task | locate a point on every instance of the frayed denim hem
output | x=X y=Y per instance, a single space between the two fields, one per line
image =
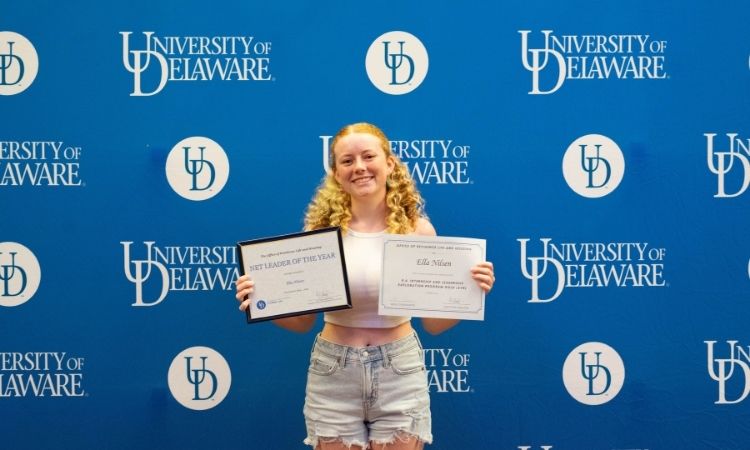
x=348 y=443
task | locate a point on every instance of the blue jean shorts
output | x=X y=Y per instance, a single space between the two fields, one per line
x=360 y=394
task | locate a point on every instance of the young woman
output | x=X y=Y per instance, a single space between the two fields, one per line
x=367 y=383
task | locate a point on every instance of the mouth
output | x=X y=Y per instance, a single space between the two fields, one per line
x=362 y=180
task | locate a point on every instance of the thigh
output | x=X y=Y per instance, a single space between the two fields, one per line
x=401 y=414
x=336 y=445
x=333 y=404
x=410 y=443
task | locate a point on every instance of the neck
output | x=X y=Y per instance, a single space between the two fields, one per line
x=368 y=216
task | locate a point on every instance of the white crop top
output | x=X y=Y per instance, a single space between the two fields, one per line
x=364 y=259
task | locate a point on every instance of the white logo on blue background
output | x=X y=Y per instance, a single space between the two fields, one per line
x=261 y=305
x=19 y=63
x=591 y=57
x=397 y=62
x=593 y=373
x=20 y=274
x=179 y=268
x=722 y=164
x=199 y=378
x=722 y=370
x=191 y=58
x=143 y=269
x=197 y=168
x=448 y=370
x=591 y=265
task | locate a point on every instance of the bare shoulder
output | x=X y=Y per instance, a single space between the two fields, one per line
x=424 y=228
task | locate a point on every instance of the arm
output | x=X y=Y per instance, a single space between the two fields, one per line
x=299 y=324
x=483 y=273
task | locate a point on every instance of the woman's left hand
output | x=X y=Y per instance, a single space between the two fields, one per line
x=484 y=274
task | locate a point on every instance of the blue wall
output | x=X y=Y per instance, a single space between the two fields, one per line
x=505 y=390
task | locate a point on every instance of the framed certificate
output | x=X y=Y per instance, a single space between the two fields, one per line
x=430 y=276
x=295 y=274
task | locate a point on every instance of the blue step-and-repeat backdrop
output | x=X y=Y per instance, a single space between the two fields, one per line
x=601 y=148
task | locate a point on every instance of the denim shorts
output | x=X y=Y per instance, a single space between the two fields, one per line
x=360 y=394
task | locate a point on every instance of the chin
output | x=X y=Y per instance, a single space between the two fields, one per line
x=368 y=192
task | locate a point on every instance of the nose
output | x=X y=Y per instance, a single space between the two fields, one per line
x=359 y=164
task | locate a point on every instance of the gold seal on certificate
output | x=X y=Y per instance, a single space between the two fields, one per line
x=295 y=274
x=430 y=276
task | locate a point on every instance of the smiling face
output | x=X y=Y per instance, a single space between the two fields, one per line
x=361 y=165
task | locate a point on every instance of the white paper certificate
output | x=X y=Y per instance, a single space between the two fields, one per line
x=295 y=274
x=428 y=276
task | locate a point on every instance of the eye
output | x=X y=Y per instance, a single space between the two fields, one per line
x=369 y=156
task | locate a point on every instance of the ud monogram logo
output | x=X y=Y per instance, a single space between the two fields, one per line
x=725 y=163
x=140 y=276
x=194 y=58
x=139 y=65
x=590 y=165
x=6 y=63
x=197 y=377
x=178 y=268
x=593 y=373
x=20 y=274
x=590 y=265
x=397 y=62
x=535 y=66
x=721 y=373
x=8 y=273
x=593 y=166
x=19 y=63
x=591 y=57
x=197 y=168
x=534 y=273
x=199 y=385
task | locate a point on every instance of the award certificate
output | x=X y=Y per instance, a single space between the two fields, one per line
x=295 y=274
x=429 y=276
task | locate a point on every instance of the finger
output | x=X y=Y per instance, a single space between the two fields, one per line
x=483 y=268
x=244 y=305
x=245 y=285
x=241 y=295
x=243 y=279
x=484 y=286
x=485 y=282
x=483 y=271
x=482 y=278
x=485 y=264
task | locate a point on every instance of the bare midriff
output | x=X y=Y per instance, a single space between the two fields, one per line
x=364 y=337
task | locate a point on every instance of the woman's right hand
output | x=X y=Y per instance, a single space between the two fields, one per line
x=245 y=287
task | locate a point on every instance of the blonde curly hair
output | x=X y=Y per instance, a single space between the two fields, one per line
x=331 y=206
